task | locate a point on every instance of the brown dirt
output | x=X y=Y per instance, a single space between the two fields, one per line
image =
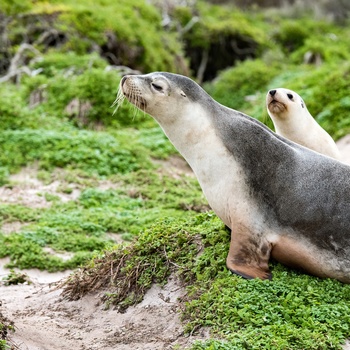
x=27 y=190
x=44 y=320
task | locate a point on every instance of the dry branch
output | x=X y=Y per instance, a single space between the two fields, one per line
x=17 y=67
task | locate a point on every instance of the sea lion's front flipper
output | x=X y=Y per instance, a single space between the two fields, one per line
x=248 y=255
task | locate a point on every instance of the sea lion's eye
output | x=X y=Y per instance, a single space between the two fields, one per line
x=290 y=96
x=156 y=87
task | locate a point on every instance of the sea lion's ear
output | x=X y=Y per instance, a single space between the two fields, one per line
x=182 y=94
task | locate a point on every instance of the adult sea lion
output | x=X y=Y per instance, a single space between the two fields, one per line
x=279 y=199
x=292 y=120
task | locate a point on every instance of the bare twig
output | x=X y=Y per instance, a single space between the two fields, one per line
x=17 y=67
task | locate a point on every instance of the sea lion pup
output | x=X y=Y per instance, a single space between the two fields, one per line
x=293 y=121
x=279 y=199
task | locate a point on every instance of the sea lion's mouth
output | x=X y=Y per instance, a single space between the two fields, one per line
x=137 y=100
x=276 y=106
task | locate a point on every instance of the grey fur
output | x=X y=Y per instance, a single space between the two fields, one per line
x=296 y=187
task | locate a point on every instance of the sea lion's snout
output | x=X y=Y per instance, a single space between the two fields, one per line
x=123 y=80
x=132 y=91
x=275 y=102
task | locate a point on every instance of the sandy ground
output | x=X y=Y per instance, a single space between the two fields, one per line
x=45 y=321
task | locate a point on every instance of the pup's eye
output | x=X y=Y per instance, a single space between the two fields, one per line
x=157 y=87
x=290 y=96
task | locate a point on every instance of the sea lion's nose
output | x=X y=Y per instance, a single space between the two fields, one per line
x=123 y=80
x=272 y=92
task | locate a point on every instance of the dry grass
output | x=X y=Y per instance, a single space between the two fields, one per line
x=118 y=272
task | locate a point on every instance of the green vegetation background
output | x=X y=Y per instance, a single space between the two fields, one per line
x=163 y=215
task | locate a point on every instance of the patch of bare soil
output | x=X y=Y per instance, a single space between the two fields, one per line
x=44 y=320
x=27 y=190
x=174 y=166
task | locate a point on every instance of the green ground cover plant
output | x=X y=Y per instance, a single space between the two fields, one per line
x=16 y=277
x=247 y=78
x=87 y=225
x=94 y=153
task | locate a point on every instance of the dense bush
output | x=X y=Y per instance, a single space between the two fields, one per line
x=221 y=36
x=83 y=96
x=125 y=33
x=53 y=63
x=232 y=86
x=330 y=102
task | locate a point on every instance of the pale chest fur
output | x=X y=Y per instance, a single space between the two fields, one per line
x=304 y=130
x=221 y=177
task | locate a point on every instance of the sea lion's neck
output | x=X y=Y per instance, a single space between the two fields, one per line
x=193 y=133
x=196 y=137
x=294 y=125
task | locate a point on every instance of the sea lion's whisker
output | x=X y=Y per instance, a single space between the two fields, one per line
x=118 y=100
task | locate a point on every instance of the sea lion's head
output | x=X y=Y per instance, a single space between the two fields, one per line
x=160 y=93
x=282 y=103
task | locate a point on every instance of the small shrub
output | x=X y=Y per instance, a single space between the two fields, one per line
x=329 y=48
x=15 y=277
x=223 y=33
x=96 y=88
x=291 y=34
x=13 y=7
x=133 y=36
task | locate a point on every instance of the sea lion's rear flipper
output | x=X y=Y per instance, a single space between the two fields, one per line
x=248 y=255
x=253 y=274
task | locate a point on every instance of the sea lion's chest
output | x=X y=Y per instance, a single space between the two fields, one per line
x=220 y=176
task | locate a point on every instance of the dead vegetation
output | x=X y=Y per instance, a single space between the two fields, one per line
x=128 y=272
x=108 y=271
x=6 y=326
x=117 y=271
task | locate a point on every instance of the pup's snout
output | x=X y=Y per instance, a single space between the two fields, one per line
x=272 y=92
